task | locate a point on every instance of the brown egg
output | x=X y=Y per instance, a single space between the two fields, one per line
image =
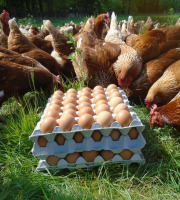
x=96 y=92
x=126 y=154
x=70 y=111
x=112 y=91
x=133 y=133
x=57 y=96
x=102 y=107
x=66 y=122
x=48 y=124
x=42 y=142
x=115 y=94
x=110 y=87
x=85 y=93
x=84 y=104
x=72 y=157
x=119 y=107
x=70 y=100
x=101 y=102
x=86 y=89
x=52 y=113
x=71 y=95
x=71 y=91
x=56 y=101
x=107 y=155
x=70 y=106
x=78 y=137
x=115 y=101
x=86 y=110
x=105 y=119
x=89 y=156
x=98 y=87
x=99 y=97
x=52 y=160
x=97 y=135
x=124 y=118
x=54 y=107
x=86 y=121
x=58 y=92
x=60 y=139
x=115 y=134
x=84 y=99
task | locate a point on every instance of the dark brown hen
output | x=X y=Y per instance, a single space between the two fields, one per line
x=17 y=79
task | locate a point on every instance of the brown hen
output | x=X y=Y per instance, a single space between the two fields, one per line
x=128 y=65
x=4 y=17
x=42 y=44
x=166 y=87
x=17 y=79
x=19 y=43
x=95 y=64
x=151 y=72
x=172 y=32
x=169 y=113
x=61 y=48
x=99 y=25
x=147 y=44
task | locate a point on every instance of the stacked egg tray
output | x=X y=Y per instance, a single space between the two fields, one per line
x=86 y=148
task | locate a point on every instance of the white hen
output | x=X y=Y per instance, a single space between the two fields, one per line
x=114 y=35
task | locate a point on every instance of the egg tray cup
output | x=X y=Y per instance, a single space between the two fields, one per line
x=81 y=162
x=88 y=144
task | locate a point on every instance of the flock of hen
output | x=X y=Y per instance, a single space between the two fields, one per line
x=145 y=66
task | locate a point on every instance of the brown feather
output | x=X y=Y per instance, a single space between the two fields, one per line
x=151 y=72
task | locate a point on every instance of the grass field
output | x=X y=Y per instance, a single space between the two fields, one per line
x=158 y=179
x=162 y=18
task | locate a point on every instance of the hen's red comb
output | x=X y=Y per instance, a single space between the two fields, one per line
x=120 y=81
x=5 y=12
x=148 y=103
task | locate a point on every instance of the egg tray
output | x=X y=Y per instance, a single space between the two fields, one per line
x=81 y=163
x=106 y=143
x=87 y=132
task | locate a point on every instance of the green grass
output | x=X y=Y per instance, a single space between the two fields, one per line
x=159 y=178
x=172 y=18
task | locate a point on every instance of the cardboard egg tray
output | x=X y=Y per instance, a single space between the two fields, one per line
x=106 y=143
x=88 y=144
x=81 y=162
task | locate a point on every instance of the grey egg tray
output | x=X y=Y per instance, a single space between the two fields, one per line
x=81 y=163
x=87 y=132
x=88 y=144
x=106 y=143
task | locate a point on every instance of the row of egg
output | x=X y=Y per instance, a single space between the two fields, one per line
x=90 y=156
x=86 y=120
x=96 y=136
